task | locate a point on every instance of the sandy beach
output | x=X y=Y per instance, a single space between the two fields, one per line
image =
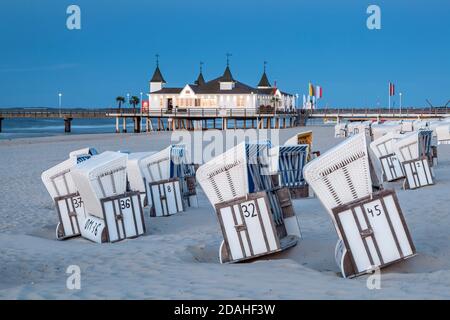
x=178 y=256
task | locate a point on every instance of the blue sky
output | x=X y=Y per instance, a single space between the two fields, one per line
x=323 y=41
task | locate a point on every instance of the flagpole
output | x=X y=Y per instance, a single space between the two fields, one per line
x=389 y=97
x=389 y=102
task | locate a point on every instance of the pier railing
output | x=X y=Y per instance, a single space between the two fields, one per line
x=381 y=111
x=200 y=112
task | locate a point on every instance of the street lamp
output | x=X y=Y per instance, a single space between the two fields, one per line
x=60 y=102
x=400 y=94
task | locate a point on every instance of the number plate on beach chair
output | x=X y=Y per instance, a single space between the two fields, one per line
x=418 y=174
x=374 y=232
x=166 y=197
x=248 y=227
x=189 y=192
x=123 y=216
x=71 y=214
x=392 y=168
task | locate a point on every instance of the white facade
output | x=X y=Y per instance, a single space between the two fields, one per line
x=223 y=92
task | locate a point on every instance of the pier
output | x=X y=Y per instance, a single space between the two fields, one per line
x=67 y=115
x=218 y=118
x=207 y=118
x=167 y=119
x=378 y=114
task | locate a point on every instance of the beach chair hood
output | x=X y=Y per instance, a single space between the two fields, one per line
x=100 y=177
x=228 y=176
x=342 y=174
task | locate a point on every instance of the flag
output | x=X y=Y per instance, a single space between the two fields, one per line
x=311 y=89
x=319 y=93
x=391 y=89
x=145 y=105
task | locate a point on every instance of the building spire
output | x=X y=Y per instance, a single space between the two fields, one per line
x=227 y=76
x=264 y=82
x=200 y=80
x=157 y=75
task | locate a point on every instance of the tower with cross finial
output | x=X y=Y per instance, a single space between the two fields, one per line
x=264 y=82
x=226 y=81
x=200 y=79
x=157 y=82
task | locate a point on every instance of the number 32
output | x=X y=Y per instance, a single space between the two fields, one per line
x=249 y=210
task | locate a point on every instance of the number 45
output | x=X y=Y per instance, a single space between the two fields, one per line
x=374 y=211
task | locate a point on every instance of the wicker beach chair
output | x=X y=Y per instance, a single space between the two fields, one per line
x=359 y=127
x=414 y=151
x=383 y=149
x=84 y=151
x=256 y=217
x=443 y=133
x=112 y=213
x=135 y=177
x=380 y=129
x=170 y=181
x=340 y=130
x=407 y=125
x=371 y=228
x=287 y=164
x=64 y=193
x=303 y=138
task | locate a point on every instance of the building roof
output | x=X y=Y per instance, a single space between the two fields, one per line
x=200 y=80
x=157 y=76
x=264 y=82
x=213 y=86
x=169 y=91
x=227 y=76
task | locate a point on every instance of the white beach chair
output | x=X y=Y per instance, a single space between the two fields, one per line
x=443 y=133
x=407 y=125
x=383 y=148
x=357 y=127
x=287 y=164
x=340 y=130
x=135 y=176
x=170 y=181
x=84 y=151
x=255 y=217
x=413 y=152
x=420 y=124
x=64 y=193
x=102 y=184
x=380 y=129
x=304 y=138
x=371 y=228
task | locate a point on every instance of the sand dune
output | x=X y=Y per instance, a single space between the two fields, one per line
x=178 y=257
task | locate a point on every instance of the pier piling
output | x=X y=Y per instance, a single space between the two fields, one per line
x=67 y=125
x=137 y=124
x=124 y=128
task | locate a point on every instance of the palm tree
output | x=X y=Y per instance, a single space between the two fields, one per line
x=134 y=101
x=120 y=100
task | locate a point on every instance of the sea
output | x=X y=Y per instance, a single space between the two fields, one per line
x=27 y=128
